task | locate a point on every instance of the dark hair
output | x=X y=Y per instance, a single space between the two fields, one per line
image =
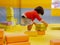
x=39 y=10
x=23 y=16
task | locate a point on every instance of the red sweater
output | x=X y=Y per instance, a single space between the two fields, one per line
x=32 y=15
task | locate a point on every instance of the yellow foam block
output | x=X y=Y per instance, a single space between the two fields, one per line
x=10 y=19
x=16 y=38
x=55 y=12
x=1 y=33
x=31 y=33
x=41 y=27
x=55 y=28
x=9 y=11
x=21 y=43
x=55 y=42
x=2 y=25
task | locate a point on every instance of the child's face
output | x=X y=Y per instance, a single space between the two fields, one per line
x=39 y=14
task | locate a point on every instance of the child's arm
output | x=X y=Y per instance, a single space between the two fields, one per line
x=40 y=19
x=44 y=22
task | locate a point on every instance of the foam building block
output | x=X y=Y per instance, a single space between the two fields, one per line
x=2 y=26
x=21 y=43
x=1 y=36
x=10 y=15
x=1 y=41
x=41 y=27
x=55 y=28
x=55 y=42
x=9 y=11
x=31 y=33
x=55 y=12
x=1 y=33
x=16 y=38
x=41 y=32
x=10 y=18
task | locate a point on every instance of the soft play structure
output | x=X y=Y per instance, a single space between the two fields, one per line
x=13 y=33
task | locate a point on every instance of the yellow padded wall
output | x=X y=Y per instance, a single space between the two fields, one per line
x=34 y=3
x=8 y=3
x=55 y=12
x=25 y=3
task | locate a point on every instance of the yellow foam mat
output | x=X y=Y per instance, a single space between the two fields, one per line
x=31 y=33
x=40 y=39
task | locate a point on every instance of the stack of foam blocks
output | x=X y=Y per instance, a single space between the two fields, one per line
x=1 y=37
x=10 y=15
x=41 y=28
x=17 y=39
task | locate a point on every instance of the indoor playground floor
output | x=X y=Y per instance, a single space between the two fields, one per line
x=43 y=39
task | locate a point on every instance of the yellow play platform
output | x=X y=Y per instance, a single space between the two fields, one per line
x=39 y=39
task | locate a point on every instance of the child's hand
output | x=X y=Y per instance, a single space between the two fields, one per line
x=46 y=24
